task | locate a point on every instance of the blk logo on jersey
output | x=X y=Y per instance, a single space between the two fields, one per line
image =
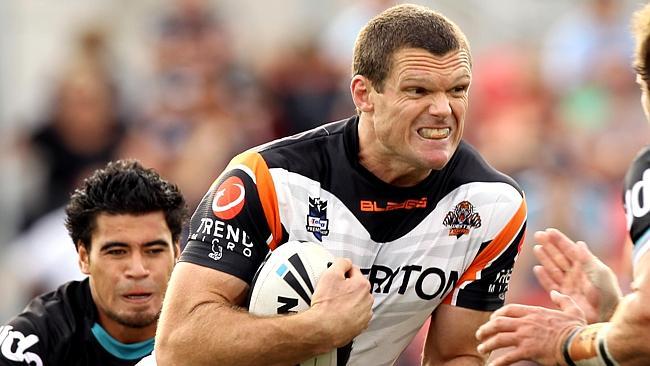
x=317 y=222
x=461 y=219
x=14 y=345
x=637 y=203
x=228 y=200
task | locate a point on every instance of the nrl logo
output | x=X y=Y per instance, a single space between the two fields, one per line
x=317 y=222
x=461 y=219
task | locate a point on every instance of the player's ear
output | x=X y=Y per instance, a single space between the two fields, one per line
x=84 y=259
x=360 y=87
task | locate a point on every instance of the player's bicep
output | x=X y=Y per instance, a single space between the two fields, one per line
x=451 y=336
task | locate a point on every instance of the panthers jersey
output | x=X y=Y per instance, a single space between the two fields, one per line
x=452 y=238
x=637 y=203
x=60 y=328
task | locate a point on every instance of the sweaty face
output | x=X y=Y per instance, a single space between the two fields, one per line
x=130 y=260
x=418 y=118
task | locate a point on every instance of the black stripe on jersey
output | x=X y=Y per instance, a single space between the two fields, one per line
x=300 y=267
x=473 y=296
x=329 y=155
x=295 y=285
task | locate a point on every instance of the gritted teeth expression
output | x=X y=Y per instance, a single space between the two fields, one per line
x=434 y=133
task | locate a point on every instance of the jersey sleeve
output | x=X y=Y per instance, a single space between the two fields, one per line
x=637 y=203
x=237 y=221
x=485 y=282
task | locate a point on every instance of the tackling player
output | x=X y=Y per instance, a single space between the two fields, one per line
x=562 y=337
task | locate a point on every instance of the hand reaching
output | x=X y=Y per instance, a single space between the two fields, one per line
x=530 y=333
x=572 y=269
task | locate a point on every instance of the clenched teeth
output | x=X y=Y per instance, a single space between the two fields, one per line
x=434 y=133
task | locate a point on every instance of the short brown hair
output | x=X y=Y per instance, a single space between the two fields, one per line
x=398 y=27
x=641 y=32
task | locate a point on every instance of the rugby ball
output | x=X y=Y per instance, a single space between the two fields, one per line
x=286 y=281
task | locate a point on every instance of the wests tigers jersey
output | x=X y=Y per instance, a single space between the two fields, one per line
x=637 y=203
x=452 y=238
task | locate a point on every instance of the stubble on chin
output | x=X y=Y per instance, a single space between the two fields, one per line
x=134 y=319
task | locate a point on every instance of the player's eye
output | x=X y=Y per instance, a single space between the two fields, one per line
x=416 y=91
x=460 y=89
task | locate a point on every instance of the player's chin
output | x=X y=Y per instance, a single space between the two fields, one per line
x=139 y=318
x=436 y=160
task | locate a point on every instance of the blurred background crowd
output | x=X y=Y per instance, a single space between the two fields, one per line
x=183 y=85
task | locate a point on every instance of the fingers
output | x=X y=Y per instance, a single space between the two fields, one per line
x=556 y=247
x=583 y=253
x=499 y=340
x=545 y=279
x=496 y=325
x=554 y=272
x=341 y=266
x=566 y=304
x=514 y=311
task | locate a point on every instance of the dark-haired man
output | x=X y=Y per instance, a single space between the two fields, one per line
x=125 y=222
x=394 y=191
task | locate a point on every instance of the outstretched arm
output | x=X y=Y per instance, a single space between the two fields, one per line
x=533 y=333
x=201 y=323
x=570 y=268
x=531 y=330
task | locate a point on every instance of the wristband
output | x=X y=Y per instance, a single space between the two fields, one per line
x=587 y=346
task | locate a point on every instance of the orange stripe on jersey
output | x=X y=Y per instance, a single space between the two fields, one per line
x=265 y=190
x=498 y=244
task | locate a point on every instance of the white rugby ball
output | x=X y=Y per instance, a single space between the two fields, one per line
x=285 y=284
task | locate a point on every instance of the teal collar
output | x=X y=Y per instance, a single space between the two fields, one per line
x=131 y=351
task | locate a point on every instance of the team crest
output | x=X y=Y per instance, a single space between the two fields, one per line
x=317 y=222
x=461 y=219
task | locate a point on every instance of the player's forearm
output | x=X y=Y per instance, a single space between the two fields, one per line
x=621 y=340
x=218 y=334
x=627 y=338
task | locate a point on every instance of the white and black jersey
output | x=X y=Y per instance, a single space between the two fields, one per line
x=60 y=328
x=452 y=238
x=636 y=200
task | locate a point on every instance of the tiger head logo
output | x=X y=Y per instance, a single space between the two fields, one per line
x=461 y=219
